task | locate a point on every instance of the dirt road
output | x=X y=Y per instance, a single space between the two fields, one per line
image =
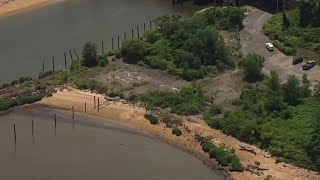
x=252 y=39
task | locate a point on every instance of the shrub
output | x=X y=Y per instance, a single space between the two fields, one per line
x=7 y=104
x=29 y=99
x=89 y=55
x=24 y=79
x=206 y=146
x=153 y=120
x=215 y=109
x=176 y=131
x=45 y=74
x=103 y=63
x=118 y=54
x=253 y=64
x=40 y=86
x=236 y=164
x=14 y=82
x=112 y=52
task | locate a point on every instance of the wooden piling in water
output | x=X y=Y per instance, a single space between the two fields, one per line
x=144 y=27
x=65 y=60
x=42 y=65
x=32 y=131
x=138 y=32
x=72 y=112
x=15 y=137
x=55 y=124
x=102 y=48
x=76 y=54
x=112 y=44
x=71 y=57
x=150 y=24
x=53 y=63
x=132 y=34
x=118 y=42
x=98 y=105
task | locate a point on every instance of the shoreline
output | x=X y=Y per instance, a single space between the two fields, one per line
x=133 y=117
x=20 y=6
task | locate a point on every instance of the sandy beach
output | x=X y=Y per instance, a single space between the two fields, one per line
x=10 y=7
x=133 y=117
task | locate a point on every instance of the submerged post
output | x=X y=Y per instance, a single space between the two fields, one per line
x=55 y=124
x=15 y=137
x=32 y=131
x=112 y=44
x=98 y=105
x=132 y=35
x=71 y=55
x=42 y=65
x=65 y=60
x=76 y=54
x=138 y=32
x=102 y=48
x=53 y=63
x=72 y=112
x=118 y=42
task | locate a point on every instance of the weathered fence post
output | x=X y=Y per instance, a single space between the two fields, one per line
x=15 y=137
x=53 y=63
x=76 y=54
x=85 y=107
x=112 y=44
x=94 y=102
x=65 y=60
x=102 y=48
x=138 y=32
x=32 y=131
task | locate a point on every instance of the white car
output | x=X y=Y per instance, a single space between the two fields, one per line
x=270 y=46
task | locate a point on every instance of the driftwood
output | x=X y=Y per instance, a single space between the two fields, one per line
x=248 y=149
x=256 y=169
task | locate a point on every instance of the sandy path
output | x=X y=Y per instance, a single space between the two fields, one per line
x=133 y=117
x=17 y=6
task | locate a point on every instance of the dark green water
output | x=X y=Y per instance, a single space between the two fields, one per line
x=28 y=38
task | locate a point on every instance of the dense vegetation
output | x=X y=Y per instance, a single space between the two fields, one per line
x=294 y=32
x=188 y=101
x=7 y=104
x=152 y=119
x=221 y=153
x=282 y=118
x=189 y=48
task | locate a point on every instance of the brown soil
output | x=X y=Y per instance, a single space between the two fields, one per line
x=133 y=117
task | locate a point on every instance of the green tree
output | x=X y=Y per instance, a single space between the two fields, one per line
x=89 y=55
x=135 y=50
x=274 y=83
x=313 y=148
x=305 y=88
x=285 y=21
x=253 y=64
x=292 y=93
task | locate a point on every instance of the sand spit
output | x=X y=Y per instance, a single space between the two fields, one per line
x=133 y=117
x=10 y=7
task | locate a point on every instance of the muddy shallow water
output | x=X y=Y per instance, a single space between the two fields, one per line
x=88 y=151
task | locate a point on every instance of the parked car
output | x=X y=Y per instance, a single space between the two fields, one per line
x=297 y=60
x=308 y=65
x=269 y=46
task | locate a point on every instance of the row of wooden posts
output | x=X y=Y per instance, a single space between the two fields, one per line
x=96 y=101
x=102 y=46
